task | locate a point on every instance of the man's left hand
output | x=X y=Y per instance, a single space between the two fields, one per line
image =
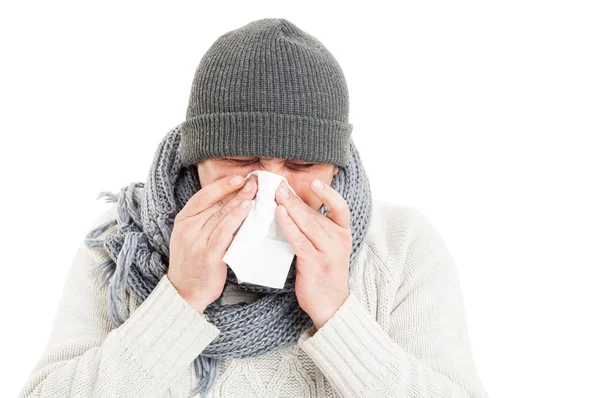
x=322 y=244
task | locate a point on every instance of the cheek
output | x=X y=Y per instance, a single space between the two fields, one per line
x=301 y=184
x=208 y=175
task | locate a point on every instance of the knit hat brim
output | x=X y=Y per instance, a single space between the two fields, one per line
x=265 y=134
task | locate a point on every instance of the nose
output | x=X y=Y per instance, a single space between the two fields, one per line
x=273 y=165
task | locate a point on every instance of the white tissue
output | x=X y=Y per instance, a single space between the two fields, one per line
x=259 y=252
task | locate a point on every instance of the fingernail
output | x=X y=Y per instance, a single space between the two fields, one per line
x=245 y=203
x=284 y=191
x=247 y=187
x=237 y=180
x=317 y=184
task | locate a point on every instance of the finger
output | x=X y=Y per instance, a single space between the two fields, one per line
x=222 y=235
x=305 y=217
x=339 y=212
x=209 y=195
x=228 y=203
x=246 y=193
x=299 y=242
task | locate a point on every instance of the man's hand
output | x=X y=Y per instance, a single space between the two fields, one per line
x=202 y=232
x=322 y=244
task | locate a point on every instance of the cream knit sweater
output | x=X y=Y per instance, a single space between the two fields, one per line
x=402 y=332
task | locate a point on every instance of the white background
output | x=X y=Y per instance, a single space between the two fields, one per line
x=485 y=115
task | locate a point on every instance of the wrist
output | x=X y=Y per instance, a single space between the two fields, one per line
x=196 y=303
x=325 y=315
x=199 y=307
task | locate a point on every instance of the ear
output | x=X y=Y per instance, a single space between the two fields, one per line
x=335 y=170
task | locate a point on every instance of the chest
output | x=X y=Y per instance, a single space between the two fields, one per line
x=288 y=371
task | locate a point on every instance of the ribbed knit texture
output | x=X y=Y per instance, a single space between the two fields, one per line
x=268 y=89
x=139 y=257
x=402 y=332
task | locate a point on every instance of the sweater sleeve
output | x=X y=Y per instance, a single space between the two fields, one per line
x=86 y=356
x=426 y=350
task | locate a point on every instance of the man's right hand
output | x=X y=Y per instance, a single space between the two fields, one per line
x=202 y=232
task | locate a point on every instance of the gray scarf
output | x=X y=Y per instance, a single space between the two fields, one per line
x=139 y=257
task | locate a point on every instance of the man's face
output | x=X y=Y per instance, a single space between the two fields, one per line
x=298 y=173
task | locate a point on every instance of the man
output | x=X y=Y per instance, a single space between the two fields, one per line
x=372 y=306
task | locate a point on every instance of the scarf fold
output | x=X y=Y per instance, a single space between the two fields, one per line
x=139 y=257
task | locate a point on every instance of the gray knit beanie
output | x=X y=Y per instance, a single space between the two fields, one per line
x=267 y=89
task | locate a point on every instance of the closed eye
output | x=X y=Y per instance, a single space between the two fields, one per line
x=247 y=162
x=301 y=165
x=242 y=162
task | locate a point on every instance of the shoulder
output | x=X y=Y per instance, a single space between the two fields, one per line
x=109 y=213
x=103 y=224
x=397 y=231
x=392 y=226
